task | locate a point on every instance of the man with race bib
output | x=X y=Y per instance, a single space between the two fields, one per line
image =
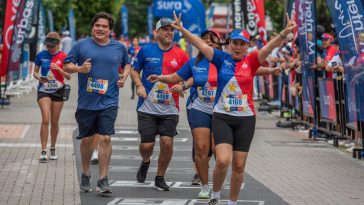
x=158 y=107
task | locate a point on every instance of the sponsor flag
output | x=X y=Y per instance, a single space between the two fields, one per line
x=22 y=28
x=11 y=13
x=238 y=13
x=260 y=20
x=124 y=20
x=50 y=20
x=327 y=99
x=348 y=19
x=306 y=10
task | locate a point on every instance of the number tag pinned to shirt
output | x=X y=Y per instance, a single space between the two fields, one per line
x=233 y=102
x=97 y=85
x=206 y=94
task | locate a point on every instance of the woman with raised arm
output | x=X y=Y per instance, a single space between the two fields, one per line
x=200 y=106
x=233 y=119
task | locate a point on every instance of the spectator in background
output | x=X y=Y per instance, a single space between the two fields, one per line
x=66 y=42
x=133 y=52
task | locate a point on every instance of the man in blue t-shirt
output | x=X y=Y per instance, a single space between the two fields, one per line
x=97 y=60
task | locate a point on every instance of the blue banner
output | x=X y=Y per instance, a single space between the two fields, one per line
x=124 y=20
x=150 y=22
x=41 y=25
x=306 y=10
x=72 y=24
x=193 y=13
x=50 y=20
x=348 y=19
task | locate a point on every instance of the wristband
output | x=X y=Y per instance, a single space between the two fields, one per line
x=270 y=70
x=184 y=86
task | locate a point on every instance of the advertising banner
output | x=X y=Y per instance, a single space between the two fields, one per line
x=124 y=20
x=348 y=19
x=238 y=13
x=11 y=14
x=306 y=21
x=327 y=99
x=22 y=28
x=193 y=13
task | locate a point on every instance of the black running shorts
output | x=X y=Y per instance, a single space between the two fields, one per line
x=150 y=125
x=233 y=130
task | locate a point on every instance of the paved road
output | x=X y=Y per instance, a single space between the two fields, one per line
x=124 y=164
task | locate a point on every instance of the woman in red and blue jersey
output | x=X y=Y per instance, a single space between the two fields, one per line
x=49 y=71
x=200 y=106
x=233 y=119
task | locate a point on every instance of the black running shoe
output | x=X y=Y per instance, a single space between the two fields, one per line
x=160 y=183
x=85 y=185
x=213 y=202
x=142 y=172
x=196 y=180
x=103 y=186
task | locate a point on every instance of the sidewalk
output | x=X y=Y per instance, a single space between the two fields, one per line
x=298 y=170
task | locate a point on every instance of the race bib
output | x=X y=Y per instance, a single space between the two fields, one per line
x=233 y=102
x=51 y=85
x=162 y=96
x=206 y=95
x=97 y=86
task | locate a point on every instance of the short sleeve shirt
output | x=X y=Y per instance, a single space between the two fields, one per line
x=330 y=53
x=55 y=79
x=202 y=96
x=234 y=95
x=98 y=89
x=153 y=60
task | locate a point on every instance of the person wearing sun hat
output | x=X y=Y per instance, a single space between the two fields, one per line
x=233 y=118
x=200 y=104
x=49 y=71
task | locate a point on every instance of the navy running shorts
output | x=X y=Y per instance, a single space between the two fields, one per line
x=198 y=119
x=233 y=130
x=92 y=122
x=150 y=125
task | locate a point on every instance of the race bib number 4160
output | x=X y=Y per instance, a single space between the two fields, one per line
x=233 y=102
x=97 y=85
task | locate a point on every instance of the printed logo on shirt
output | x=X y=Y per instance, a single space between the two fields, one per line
x=244 y=66
x=152 y=60
x=199 y=69
x=228 y=64
x=174 y=62
x=58 y=62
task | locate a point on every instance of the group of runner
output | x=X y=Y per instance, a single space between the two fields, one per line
x=220 y=110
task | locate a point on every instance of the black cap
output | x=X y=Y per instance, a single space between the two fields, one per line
x=51 y=41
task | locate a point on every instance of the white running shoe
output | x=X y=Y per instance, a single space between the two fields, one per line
x=204 y=193
x=43 y=157
x=53 y=154
x=95 y=157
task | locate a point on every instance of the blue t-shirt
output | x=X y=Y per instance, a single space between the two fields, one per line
x=204 y=74
x=153 y=60
x=234 y=95
x=98 y=89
